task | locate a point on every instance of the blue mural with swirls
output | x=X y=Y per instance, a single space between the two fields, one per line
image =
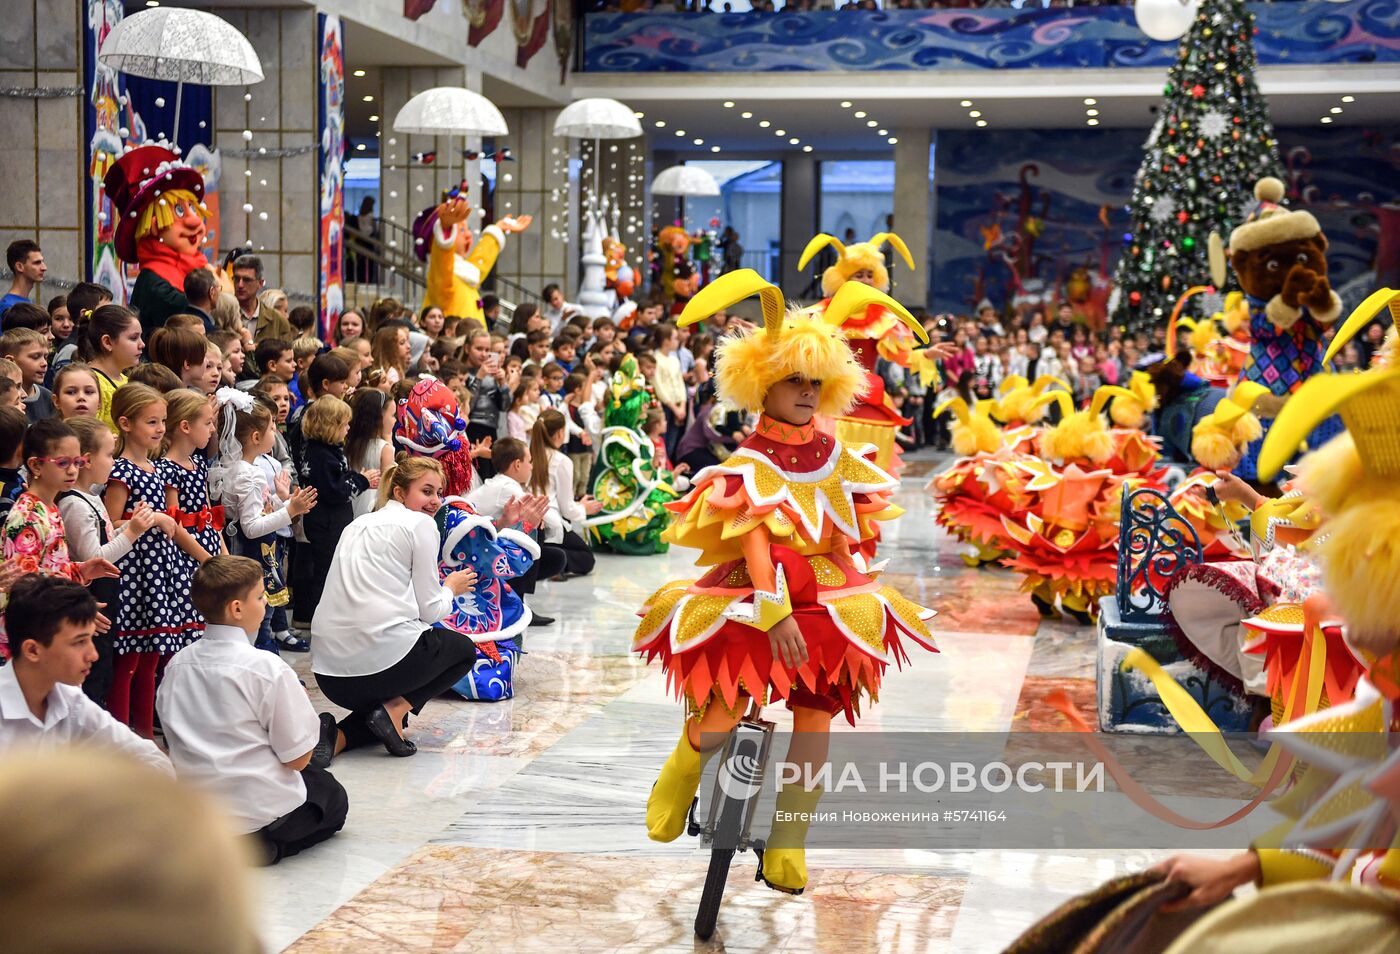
x=1301 y=32
x=1018 y=211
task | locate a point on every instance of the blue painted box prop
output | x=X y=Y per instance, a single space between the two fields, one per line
x=1154 y=544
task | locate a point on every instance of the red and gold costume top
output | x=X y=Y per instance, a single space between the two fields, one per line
x=801 y=483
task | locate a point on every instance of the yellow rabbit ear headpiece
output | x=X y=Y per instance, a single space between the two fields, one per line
x=1369 y=404
x=854 y=258
x=1011 y=382
x=812 y=346
x=896 y=243
x=958 y=406
x=1063 y=398
x=1361 y=317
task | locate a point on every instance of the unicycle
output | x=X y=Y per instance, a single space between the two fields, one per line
x=738 y=786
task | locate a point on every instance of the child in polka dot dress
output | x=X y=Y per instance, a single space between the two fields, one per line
x=189 y=427
x=151 y=622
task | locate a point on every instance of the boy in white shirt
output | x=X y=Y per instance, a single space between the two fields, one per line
x=511 y=460
x=241 y=726
x=51 y=622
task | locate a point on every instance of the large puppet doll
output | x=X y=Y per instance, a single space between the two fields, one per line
x=786 y=605
x=679 y=279
x=428 y=423
x=633 y=490
x=877 y=333
x=491 y=614
x=161 y=203
x=457 y=262
x=1280 y=260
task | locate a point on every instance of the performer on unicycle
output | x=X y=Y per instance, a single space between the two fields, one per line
x=788 y=605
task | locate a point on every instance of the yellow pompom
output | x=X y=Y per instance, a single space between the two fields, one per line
x=1333 y=475
x=975 y=435
x=1213 y=449
x=1127 y=413
x=1080 y=436
x=1360 y=564
x=1268 y=189
x=1247 y=430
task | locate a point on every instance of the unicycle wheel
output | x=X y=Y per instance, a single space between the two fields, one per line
x=715 y=878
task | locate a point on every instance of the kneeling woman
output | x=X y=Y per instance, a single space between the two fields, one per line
x=374 y=648
x=787 y=606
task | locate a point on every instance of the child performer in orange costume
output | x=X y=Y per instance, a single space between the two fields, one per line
x=787 y=606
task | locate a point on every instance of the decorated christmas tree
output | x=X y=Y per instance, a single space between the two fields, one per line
x=1211 y=141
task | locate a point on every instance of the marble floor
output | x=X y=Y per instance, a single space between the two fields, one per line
x=518 y=825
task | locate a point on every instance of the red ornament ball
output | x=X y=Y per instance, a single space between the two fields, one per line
x=1135 y=297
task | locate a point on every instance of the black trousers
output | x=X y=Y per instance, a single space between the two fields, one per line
x=311 y=822
x=552 y=561
x=435 y=663
x=475 y=432
x=578 y=558
x=323 y=532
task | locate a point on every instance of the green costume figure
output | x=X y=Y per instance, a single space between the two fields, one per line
x=633 y=490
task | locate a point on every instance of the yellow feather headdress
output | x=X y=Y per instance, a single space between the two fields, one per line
x=852 y=258
x=812 y=346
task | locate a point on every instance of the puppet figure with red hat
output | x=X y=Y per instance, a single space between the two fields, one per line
x=161 y=203
x=457 y=263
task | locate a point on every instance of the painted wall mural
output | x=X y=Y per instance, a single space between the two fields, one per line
x=1053 y=217
x=332 y=158
x=1301 y=32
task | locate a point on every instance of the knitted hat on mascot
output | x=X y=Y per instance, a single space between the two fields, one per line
x=812 y=346
x=862 y=256
x=1271 y=223
x=429 y=424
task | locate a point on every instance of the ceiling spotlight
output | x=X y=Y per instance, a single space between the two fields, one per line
x=1092 y=122
x=1090 y=101
x=369 y=99
x=680 y=133
x=871 y=123
x=729 y=104
x=1335 y=110
x=965 y=103
x=893 y=140
x=981 y=122
x=975 y=114
x=661 y=124
x=698 y=142
x=846 y=104
x=1091 y=112
x=780 y=132
x=794 y=141
x=359 y=147
x=152 y=3
x=764 y=124
x=714 y=149
x=1326 y=119
x=374 y=119
x=882 y=132
x=359 y=73
x=806 y=148
x=860 y=114
x=1348 y=99
x=747 y=115
x=639 y=114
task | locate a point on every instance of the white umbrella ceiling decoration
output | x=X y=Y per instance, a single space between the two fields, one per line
x=690 y=181
x=181 y=46
x=597 y=119
x=450 y=111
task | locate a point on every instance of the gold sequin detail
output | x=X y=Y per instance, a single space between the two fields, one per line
x=1348 y=800
x=662 y=602
x=863 y=615
x=907 y=610
x=1287 y=613
x=1064 y=539
x=739 y=576
x=698 y=615
x=766 y=480
x=826 y=572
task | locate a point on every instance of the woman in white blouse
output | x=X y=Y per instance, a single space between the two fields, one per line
x=374 y=648
x=552 y=474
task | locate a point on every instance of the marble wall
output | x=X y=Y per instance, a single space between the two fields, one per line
x=281 y=114
x=537 y=183
x=42 y=194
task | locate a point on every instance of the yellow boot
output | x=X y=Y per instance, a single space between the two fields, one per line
x=785 y=856
x=669 y=802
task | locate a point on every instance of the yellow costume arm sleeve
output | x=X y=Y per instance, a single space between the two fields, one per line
x=772 y=604
x=487 y=249
x=1279 y=866
x=441 y=256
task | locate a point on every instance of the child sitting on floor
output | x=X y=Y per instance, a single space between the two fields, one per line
x=240 y=725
